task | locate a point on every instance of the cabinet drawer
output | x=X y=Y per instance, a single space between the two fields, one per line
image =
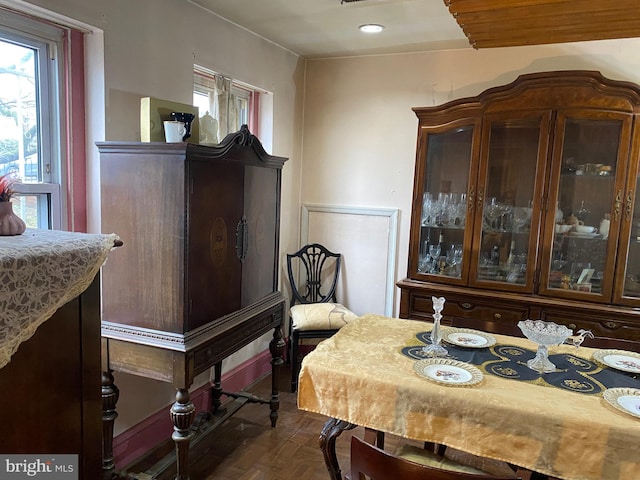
x=471 y=313
x=600 y=327
x=485 y=312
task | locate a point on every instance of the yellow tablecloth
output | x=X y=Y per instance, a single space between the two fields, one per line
x=360 y=376
x=40 y=271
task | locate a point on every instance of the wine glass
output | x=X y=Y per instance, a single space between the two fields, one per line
x=423 y=257
x=427 y=202
x=434 y=252
x=493 y=212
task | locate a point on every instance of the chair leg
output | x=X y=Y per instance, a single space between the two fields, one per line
x=290 y=345
x=293 y=338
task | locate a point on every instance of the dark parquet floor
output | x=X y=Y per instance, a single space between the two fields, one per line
x=245 y=447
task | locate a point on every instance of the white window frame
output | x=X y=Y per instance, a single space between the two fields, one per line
x=239 y=89
x=48 y=41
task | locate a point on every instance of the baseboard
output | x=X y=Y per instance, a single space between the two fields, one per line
x=136 y=441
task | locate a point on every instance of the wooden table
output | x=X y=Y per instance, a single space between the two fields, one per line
x=361 y=377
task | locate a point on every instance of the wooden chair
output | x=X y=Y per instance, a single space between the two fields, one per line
x=377 y=464
x=315 y=313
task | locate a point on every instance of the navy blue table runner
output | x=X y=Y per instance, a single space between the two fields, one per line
x=510 y=362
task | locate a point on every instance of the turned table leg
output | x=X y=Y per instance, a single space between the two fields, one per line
x=332 y=430
x=216 y=390
x=110 y=395
x=182 y=414
x=276 y=347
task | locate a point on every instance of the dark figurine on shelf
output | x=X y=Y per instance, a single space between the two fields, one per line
x=186 y=118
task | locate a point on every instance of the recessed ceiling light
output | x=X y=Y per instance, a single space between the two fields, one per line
x=371 y=28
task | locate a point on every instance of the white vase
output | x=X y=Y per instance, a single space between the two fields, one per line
x=10 y=223
x=559 y=214
x=605 y=223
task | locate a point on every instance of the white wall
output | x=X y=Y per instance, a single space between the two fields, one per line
x=150 y=47
x=360 y=133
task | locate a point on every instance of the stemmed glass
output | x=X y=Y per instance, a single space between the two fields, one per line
x=435 y=349
x=434 y=252
x=423 y=259
x=454 y=258
x=493 y=212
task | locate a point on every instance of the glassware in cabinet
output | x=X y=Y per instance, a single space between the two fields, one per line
x=443 y=179
x=627 y=282
x=589 y=167
x=515 y=150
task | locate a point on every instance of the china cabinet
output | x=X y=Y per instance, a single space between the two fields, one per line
x=197 y=279
x=525 y=206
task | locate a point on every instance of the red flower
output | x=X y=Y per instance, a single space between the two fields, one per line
x=6 y=190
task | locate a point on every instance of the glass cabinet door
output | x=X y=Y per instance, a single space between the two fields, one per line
x=444 y=229
x=627 y=282
x=508 y=219
x=588 y=172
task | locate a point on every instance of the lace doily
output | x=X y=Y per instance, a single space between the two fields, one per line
x=40 y=271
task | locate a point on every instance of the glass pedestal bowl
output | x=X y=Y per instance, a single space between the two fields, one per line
x=544 y=334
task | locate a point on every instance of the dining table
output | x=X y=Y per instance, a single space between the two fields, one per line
x=373 y=373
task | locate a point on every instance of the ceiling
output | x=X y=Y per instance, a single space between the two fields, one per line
x=329 y=28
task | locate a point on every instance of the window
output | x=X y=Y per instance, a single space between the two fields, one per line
x=224 y=105
x=30 y=126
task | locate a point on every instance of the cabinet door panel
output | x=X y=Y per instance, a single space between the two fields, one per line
x=215 y=211
x=261 y=210
x=508 y=214
x=627 y=282
x=587 y=186
x=444 y=196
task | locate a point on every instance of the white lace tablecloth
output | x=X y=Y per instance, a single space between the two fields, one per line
x=40 y=271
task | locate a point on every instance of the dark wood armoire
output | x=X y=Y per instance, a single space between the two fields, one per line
x=197 y=277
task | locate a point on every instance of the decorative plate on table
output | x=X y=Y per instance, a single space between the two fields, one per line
x=626 y=400
x=468 y=338
x=446 y=371
x=619 y=359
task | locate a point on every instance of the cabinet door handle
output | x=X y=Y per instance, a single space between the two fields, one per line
x=627 y=211
x=497 y=316
x=617 y=206
x=242 y=239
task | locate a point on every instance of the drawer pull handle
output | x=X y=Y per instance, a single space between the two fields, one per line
x=497 y=316
x=611 y=325
x=466 y=305
x=572 y=326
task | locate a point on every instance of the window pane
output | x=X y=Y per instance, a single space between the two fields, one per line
x=30 y=118
x=224 y=105
x=19 y=129
x=33 y=209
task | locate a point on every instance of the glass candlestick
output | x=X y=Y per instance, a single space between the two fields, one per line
x=435 y=349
